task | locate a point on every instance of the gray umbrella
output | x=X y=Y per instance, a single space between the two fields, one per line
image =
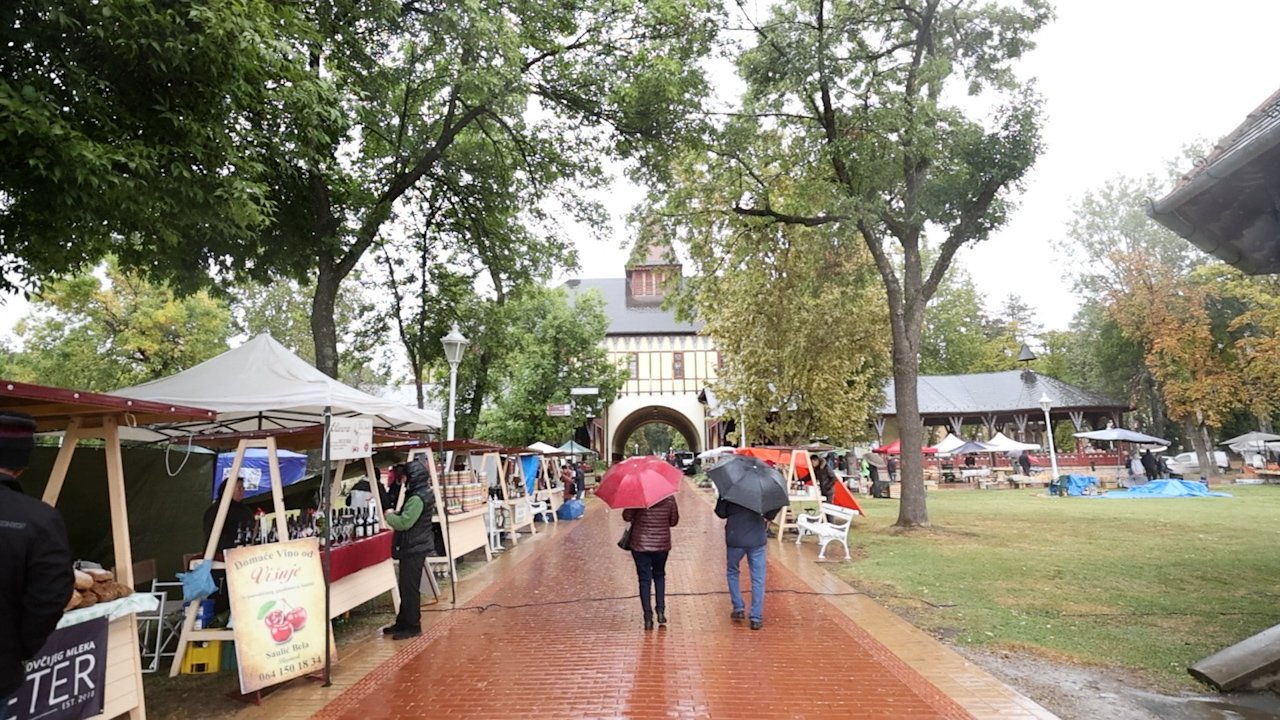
x=751 y=483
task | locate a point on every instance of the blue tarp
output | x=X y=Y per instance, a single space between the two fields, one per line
x=1166 y=489
x=1077 y=483
x=571 y=510
x=293 y=466
x=529 y=466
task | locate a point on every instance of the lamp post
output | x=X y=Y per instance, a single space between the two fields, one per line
x=454 y=345
x=1045 y=404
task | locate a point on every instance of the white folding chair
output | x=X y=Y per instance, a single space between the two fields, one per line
x=161 y=627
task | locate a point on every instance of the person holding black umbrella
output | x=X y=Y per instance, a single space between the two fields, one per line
x=751 y=494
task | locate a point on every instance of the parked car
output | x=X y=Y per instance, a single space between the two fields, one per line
x=1188 y=465
x=687 y=462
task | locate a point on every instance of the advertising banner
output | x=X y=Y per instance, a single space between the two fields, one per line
x=350 y=438
x=64 y=680
x=277 y=603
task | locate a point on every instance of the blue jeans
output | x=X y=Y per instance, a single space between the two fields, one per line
x=651 y=570
x=755 y=560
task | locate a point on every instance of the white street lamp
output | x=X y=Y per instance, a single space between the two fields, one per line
x=1045 y=404
x=454 y=345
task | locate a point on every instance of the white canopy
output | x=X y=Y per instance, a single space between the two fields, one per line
x=1001 y=443
x=1123 y=435
x=948 y=444
x=261 y=385
x=543 y=448
x=1252 y=441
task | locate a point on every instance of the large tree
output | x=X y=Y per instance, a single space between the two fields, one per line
x=557 y=344
x=559 y=83
x=137 y=129
x=856 y=117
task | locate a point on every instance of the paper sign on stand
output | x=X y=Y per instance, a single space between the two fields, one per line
x=350 y=438
x=277 y=599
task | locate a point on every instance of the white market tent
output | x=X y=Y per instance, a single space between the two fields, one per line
x=948 y=444
x=1123 y=435
x=574 y=448
x=541 y=447
x=262 y=386
x=1002 y=443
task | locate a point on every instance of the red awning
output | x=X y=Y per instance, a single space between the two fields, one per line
x=895 y=448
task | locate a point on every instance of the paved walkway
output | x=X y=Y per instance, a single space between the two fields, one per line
x=552 y=629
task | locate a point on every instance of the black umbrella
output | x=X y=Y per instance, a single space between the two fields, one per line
x=751 y=483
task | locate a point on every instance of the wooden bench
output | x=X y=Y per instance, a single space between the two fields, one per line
x=831 y=523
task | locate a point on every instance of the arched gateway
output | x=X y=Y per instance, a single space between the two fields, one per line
x=669 y=363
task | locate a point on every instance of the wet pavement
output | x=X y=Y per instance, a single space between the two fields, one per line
x=557 y=633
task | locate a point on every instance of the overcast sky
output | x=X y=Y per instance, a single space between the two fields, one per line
x=1127 y=83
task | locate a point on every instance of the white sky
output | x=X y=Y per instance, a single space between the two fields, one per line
x=1127 y=83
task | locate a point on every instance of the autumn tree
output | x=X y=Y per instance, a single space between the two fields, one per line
x=92 y=333
x=870 y=119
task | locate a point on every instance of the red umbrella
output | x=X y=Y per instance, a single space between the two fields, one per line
x=638 y=482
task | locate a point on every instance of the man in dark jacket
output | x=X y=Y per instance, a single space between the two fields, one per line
x=745 y=535
x=825 y=478
x=413 y=542
x=35 y=561
x=1150 y=465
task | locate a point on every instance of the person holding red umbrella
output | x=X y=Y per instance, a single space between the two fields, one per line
x=644 y=488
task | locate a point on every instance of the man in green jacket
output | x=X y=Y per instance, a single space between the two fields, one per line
x=414 y=540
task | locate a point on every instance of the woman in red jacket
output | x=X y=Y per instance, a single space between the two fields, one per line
x=650 y=545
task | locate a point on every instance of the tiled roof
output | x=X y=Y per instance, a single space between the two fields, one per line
x=1256 y=125
x=1011 y=391
x=632 y=319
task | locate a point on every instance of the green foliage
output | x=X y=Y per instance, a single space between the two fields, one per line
x=654 y=439
x=555 y=345
x=88 y=334
x=138 y=128
x=953 y=338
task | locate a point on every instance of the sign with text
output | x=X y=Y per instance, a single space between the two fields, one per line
x=277 y=601
x=65 y=679
x=561 y=410
x=350 y=438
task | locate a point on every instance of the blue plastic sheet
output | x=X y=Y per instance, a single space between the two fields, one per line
x=293 y=467
x=1166 y=489
x=571 y=510
x=529 y=465
x=1076 y=484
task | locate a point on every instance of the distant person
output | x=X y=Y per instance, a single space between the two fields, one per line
x=1024 y=462
x=1137 y=473
x=745 y=536
x=650 y=547
x=970 y=460
x=239 y=524
x=825 y=478
x=1149 y=465
x=36 y=580
x=891 y=466
x=413 y=541
x=580 y=479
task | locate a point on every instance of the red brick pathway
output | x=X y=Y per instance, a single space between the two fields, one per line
x=561 y=637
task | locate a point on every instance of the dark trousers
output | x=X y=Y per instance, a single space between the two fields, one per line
x=651 y=570
x=410 y=615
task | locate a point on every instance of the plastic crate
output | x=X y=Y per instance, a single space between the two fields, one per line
x=202 y=658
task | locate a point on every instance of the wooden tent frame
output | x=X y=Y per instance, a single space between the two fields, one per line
x=513 y=504
x=463 y=532
x=97 y=416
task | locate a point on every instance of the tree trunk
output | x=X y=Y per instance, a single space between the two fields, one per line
x=913 y=509
x=1208 y=468
x=324 y=332
x=471 y=420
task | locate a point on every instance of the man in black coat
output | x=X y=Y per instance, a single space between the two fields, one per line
x=36 y=579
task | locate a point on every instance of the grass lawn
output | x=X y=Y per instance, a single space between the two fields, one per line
x=1153 y=585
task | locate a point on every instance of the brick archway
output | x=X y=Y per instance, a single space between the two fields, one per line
x=677 y=420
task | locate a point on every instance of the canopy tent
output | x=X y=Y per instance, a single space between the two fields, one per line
x=1122 y=435
x=1000 y=443
x=948 y=444
x=293 y=467
x=541 y=447
x=972 y=446
x=895 y=448
x=780 y=457
x=261 y=385
x=1252 y=441
x=573 y=448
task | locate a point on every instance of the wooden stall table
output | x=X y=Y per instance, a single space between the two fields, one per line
x=463 y=529
x=360 y=571
x=515 y=494
x=97 y=416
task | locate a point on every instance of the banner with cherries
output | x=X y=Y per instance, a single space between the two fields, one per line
x=277 y=605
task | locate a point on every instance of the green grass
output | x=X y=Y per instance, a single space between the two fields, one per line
x=1153 y=585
